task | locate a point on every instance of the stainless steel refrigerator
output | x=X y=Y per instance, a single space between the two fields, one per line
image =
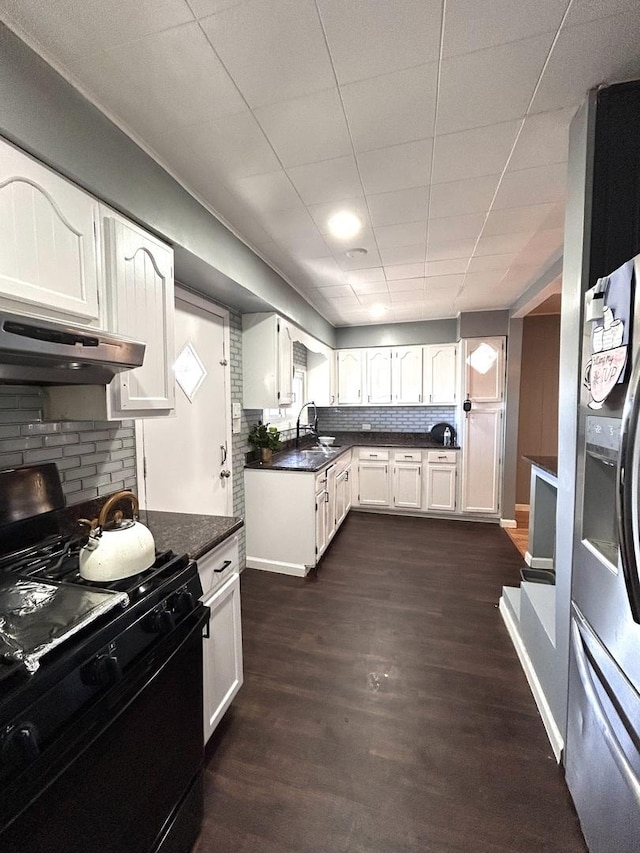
x=602 y=757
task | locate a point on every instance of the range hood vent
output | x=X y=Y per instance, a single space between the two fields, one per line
x=41 y=352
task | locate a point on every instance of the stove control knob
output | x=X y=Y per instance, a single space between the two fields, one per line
x=102 y=671
x=183 y=602
x=20 y=744
x=164 y=621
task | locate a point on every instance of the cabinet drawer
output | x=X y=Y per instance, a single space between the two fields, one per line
x=223 y=559
x=408 y=456
x=377 y=455
x=343 y=463
x=449 y=457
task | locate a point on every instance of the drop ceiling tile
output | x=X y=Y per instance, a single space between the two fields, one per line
x=407 y=285
x=472 y=25
x=68 y=29
x=358 y=262
x=456 y=227
x=400 y=271
x=491 y=262
x=369 y=299
x=326 y=181
x=307 y=129
x=396 y=168
x=322 y=213
x=229 y=148
x=287 y=226
x=459 y=197
x=325 y=271
x=344 y=303
x=473 y=153
x=544 y=140
x=203 y=8
x=443 y=250
x=521 y=275
x=403 y=255
x=338 y=292
x=543 y=245
x=555 y=219
x=450 y=267
x=367 y=38
x=582 y=11
x=399 y=206
x=539 y=185
x=490 y=86
x=273 y=49
x=584 y=56
x=364 y=240
x=406 y=234
x=502 y=244
x=445 y=283
x=486 y=280
x=365 y=276
x=370 y=288
x=392 y=108
x=167 y=80
x=413 y=299
x=265 y=193
x=516 y=219
x=305 y=249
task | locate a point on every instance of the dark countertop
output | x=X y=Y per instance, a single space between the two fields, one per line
x=294 y=460
x=181 y=532
x=545 y=463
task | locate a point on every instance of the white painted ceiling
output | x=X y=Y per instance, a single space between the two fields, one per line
x=441 y=123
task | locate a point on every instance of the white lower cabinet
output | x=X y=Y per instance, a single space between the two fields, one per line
x=407 y=480
x=322 y=501
x=481 y=461
x=373 y=483
x=222 y=648
x=222 y=653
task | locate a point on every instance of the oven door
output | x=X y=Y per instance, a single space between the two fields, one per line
x=132 y=784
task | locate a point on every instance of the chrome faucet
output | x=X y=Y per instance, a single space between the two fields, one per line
x=313 y=428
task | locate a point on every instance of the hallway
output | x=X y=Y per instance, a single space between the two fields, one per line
x=384 y=708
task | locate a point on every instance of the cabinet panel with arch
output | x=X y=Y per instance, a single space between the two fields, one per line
x=48 y=242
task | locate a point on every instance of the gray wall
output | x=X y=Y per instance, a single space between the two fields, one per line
x=397 y=334
x=94 y=458
x=45 y=115
x=478 y=324
x=511 y=420
x=385 y=418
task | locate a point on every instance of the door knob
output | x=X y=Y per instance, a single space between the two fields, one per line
x=225 y=474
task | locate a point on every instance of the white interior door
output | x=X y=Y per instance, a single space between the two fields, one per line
x=186 y=457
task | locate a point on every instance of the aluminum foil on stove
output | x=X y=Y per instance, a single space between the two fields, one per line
x=37 y=616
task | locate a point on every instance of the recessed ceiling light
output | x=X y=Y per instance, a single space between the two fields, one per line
x=356 y=253
x=344 y=225
x=378 y=311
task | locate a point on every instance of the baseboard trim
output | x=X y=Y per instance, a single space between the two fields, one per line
x=508 y=522
x=538 y=562
x=293 y=569
x=550 y=725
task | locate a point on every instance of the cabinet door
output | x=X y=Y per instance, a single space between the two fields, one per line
x=331 y=503
x=48 y=245
x=407 y=375
x=140 y=288
x=285 y=364
x=222 y=653
x=321 y=522
x=484 y=369
x=373 y=483
x=441 y=487
x=379 y=375
x=349 y=369
x=440 y=373
x=482 y=452
x=407 y=485
x=348 y=496
x=341 y=498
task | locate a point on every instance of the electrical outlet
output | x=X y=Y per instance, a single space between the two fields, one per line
x=366 y=426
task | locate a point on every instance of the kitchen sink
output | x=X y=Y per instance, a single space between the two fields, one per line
x=318 y=451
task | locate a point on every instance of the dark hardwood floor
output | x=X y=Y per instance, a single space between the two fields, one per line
x=384 y=708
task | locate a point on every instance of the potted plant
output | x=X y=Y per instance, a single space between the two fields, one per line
x=265 y=438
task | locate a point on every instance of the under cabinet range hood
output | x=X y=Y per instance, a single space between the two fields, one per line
x=41 y=352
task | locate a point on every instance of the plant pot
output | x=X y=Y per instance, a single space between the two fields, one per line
x=266 y=454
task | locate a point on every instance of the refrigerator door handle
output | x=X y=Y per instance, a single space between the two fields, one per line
x=602 y=720
x=627 y=492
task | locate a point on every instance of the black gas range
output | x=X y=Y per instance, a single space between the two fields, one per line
x=100 y=695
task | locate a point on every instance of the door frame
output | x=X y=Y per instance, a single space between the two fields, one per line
x=207 y=305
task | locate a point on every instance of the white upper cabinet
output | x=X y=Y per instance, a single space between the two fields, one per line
x=379 y=363
x=484 y=367
x=349 y=374
x=140 y=302
x=267 y=361
x=440 y=373
x=49 y=247
x=321 y=378
x=407 y=375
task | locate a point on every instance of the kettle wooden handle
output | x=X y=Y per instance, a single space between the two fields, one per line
x=112 y=501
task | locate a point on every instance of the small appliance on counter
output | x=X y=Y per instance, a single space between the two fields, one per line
x=443 y=433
